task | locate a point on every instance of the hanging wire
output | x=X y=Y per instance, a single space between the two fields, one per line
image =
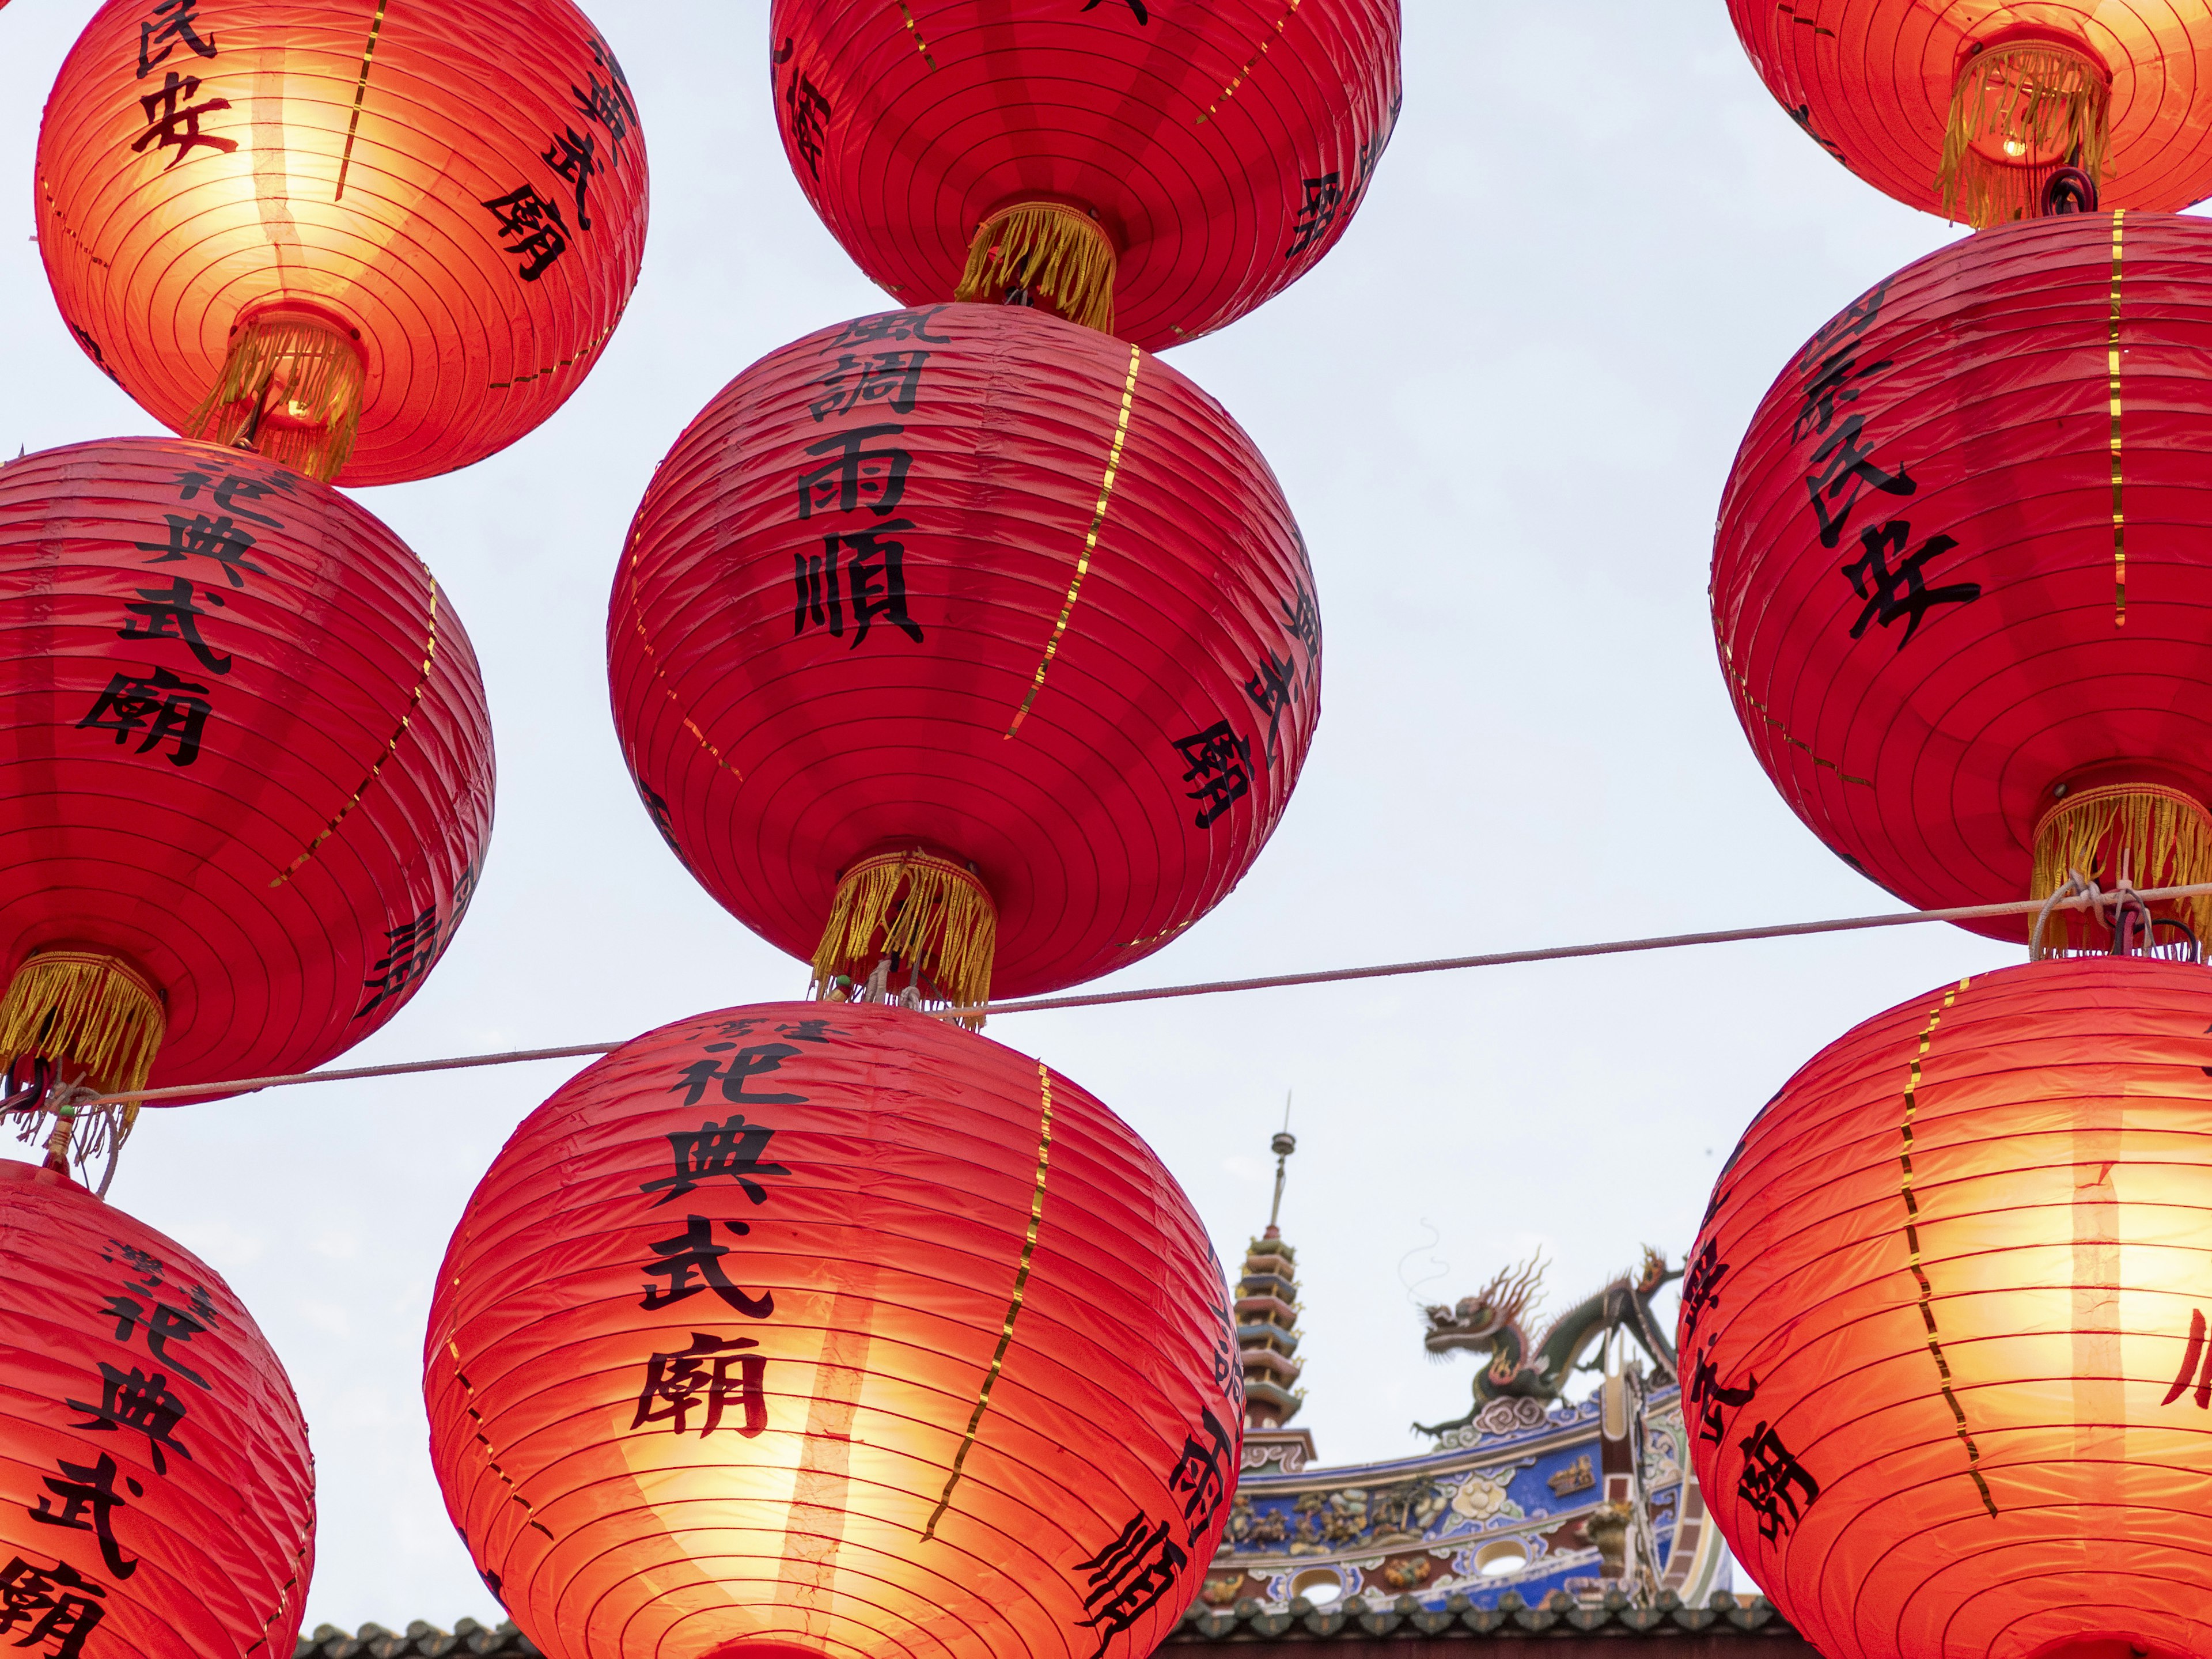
x=2090 y=899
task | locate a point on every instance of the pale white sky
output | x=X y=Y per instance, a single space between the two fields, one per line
x=1503 y=410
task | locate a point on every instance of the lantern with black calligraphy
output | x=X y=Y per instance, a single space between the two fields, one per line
x=792 y=1330
x=1990 y=110
x=158 y=1499
x=1943 y=1334
x=246 y=771
x=1964 y=561
x=373 y=246
x=1155 y=171
x=964 y=636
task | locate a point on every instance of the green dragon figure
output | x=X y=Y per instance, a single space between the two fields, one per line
x=1491 y=1320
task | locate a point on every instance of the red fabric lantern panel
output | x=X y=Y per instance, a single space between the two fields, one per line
x=1212 y=153
x=1944 y=1330
x=976 y=581
x=157 y=1497
x=1965 y=107
x=243 y=759
x=792 y=1330
x=425 y=219
x=1965 y=559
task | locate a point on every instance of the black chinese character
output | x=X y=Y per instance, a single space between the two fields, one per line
x=891 y=325
x=227 y=489
x=1218 y=763
x=694 y=1251
x=409 y=950
x=57 y=1602
x=89 y=1490
x=1701 y=1282
x=809 y=115
x=150 y=1267
x=169 y=613
x=857 y=469
x=166 y=1323
x=170 y=127
x=202 y=538
x=744 y=1066
x=1270 y=691
x=1128 y=1578
x=806 y=1030
x=1707 y=1395
x=574 y=156
x=1852 y=322
x=677 y=1383
x=1873 y=581
x=163 y=707
x=1201 y=1476
x=1802 y=115
x=610 y=105
x=98 y=357
x=132 y=1400
x=2188 y=1371
x=1831 y=384
x=534 y=226
x=1323 y=197
x=1847 y=465
x=892 y=375
x=177 y=23
x=1303 y=621
x=731 y=1149
x=1136 y=8
x=875 y=579
x=1770 y=1470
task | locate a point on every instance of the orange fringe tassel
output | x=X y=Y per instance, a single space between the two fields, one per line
x=2158 y=837
x=930 y=912
x=2044 y=106
x=306 y=377
x=1060 y=251
x=88 y=1007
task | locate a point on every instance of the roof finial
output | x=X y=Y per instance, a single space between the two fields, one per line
x=1283 y=1145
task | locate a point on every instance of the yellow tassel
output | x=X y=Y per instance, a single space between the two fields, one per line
x=305 y=379
x=1061 y=252
x=930 y=912
x=2044 y=106
x=85 y=1007
x=2161 y=838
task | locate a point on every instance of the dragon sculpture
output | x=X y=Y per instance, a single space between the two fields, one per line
x=1492 y=1320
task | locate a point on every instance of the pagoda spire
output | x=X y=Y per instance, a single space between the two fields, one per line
x=1268 y=1334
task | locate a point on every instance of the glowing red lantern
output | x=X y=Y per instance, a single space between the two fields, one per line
x=1970 y=109
x=246 y=771
x=1944 y=1329
x=964 y=630
x=376 y=245
x=158 y=1498
x=788 y=1329
x=1961 y=569
x=1151 y=170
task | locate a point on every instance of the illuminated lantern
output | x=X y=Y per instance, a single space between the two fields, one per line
x=246 y=771
x=374 y=245
x=1964 y=561
x=1944 y=1330
x=1155 y=171
x=157 y=1498
x=795 y=1330
x=964 y=629
x=1976 y=109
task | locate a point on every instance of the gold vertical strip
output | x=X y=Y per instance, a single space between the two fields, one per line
x=1913 y=1245
x=921 y=44
x=1089 y=541
x=359 y=92
x=415 y=702
x=2112 y=373
x=1006 y=1330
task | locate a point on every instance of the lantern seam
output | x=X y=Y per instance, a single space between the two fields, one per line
x=1237 y=80
x=1744 y=686
x=1912 y=1243
x=490 y=1452
x=360 y=92
x=391 y=748
x=912 y=28
x=1090 y=540
x=2112 y=372
x=644 y=639
x=1014 y=1308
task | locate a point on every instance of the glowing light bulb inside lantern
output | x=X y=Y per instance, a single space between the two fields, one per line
x=2015 y=147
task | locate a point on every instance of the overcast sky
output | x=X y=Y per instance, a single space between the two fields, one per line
x=1503 y=411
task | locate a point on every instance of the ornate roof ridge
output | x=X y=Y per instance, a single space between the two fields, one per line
x=1361 y=1617
x=420 y=1640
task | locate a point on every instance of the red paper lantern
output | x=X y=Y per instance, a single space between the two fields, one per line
x=157 y=1497
x=947 y=622
x=1968 y=107
x=792 y=1330
x=246 y=770
x=1944 y=1330
x=1155 y=171
x=381 y=244
x=1962 y=571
